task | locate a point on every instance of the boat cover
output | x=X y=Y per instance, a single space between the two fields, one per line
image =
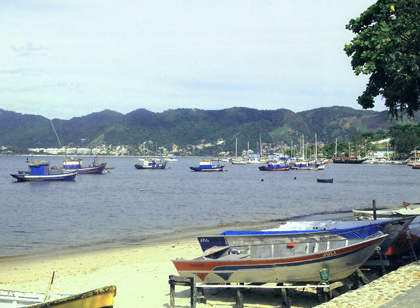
x=349 y=233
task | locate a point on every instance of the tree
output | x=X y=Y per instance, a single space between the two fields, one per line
x=387 y=47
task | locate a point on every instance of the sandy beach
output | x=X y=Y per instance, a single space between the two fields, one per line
x=139 y=272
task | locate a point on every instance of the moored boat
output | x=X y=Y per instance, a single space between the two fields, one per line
x=348 y=160
x=77 y=165
x=324 y=180
x=286 y=262
x=207 y=166
x=308 y=165
x=150 y=163
x=239 y=161
x=40 y=171
x=255 y=158
x=275 y=166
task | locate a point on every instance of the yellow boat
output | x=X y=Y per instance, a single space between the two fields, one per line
x=98 y=298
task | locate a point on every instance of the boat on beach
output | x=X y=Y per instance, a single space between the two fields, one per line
x=207 y=166
x=407 y=210
x=285 y=262
x=17 y=299
x=409 y=239
x=97 y=298
x=72 y=164
x=40 y=171
x=151 y=163
x=301 y=231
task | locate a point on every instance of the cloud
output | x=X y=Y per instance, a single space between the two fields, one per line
x=96 y=55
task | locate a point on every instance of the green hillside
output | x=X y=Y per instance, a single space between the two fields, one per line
x=191 y=127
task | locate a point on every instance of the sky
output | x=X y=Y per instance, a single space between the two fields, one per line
x=65 y=59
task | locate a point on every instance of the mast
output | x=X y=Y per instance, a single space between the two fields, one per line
x=316 y=149
x=291 y=150
x=236 y=148
x=65 y=158
x=303 y=147
x=335 y=147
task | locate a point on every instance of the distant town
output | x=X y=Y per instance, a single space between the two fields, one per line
x=150 y=148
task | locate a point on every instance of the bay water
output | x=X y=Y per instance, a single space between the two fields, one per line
x=127 y=206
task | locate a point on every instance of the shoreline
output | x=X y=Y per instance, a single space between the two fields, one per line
x=140 y=274
x=170 y=237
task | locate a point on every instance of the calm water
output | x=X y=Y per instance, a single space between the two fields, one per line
x=128 y=206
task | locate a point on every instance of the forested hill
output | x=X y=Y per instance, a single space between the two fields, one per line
x=191 y=126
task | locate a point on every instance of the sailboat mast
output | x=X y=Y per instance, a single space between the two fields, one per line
x=335 y=147
x=236 y=148
x=303 y=147
x=65 y=158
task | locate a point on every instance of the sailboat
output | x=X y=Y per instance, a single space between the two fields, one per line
x=236 y=160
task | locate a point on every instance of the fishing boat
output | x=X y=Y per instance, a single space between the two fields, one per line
x=40 y=171
x=319 y=230
x=76 y=164
x=275 y=166
x=98 y=298
x=284 y=262
x=151 y=163
x=324 y=180
x=207 y=166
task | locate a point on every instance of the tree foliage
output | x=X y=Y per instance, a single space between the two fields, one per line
x=387 y=47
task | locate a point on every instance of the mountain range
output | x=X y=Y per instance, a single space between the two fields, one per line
x=191 y=127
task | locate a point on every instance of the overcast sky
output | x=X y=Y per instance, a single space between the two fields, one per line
x=65 y=59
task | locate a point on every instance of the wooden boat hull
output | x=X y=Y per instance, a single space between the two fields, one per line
x=325 y=180
x=295 y=266
x=98 y=298
x=50 y=177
